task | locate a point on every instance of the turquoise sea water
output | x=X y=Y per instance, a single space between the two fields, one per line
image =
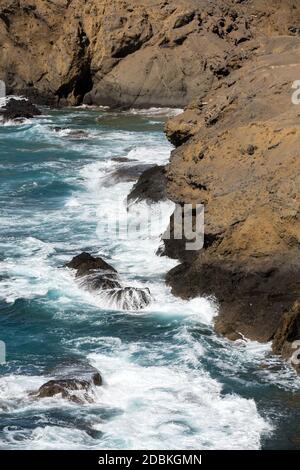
x=169 y=381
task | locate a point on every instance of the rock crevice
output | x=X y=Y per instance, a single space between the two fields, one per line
x=124 y=53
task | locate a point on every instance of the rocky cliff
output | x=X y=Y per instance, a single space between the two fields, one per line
x=130 y=53
x=238 y=154
x=231 y=63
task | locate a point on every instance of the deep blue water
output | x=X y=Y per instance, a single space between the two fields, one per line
x=169 y=381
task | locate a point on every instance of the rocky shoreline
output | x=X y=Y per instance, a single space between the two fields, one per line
x=237 y=143
x=132 y=54
x=237 y=153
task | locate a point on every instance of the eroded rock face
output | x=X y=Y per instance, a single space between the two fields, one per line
x=287 y=337
x=18 y=110
x=130 y=53
x=238 y=154
x=252 y=296
x=95 y=274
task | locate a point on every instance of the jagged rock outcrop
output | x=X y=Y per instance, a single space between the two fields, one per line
x=130 y=53
x=18 y=110
x=238 y=154
x=97 y=275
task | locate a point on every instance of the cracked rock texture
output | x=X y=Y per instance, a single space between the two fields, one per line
x=237 y=152
x=130 y=53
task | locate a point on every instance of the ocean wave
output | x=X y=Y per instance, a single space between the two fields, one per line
x=159 y=364
x=165 y=112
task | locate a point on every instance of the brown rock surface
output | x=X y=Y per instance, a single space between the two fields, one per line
x=286 y=340
x=233 y=62
x=72 y=382
x=238 y=154
x=131 y=53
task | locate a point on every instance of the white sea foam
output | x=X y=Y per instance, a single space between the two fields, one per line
x=161 y=403
x=163 y=407
x=166 y=112
x=4 y=100
x=159 y=407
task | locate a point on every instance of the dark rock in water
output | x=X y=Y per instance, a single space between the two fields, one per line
x=84 y=263
x=151 y=186
x=19 y=110
x=65 y=388
x=77 y=135
x=96 y=274
x=100 y=280
x=71 y=133
x=122 y=159
x=75 y=378
x=126 y=173
x=251 y=301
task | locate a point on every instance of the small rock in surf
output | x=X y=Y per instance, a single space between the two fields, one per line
x=73 y=383
x=97 y=275
x=18 y=110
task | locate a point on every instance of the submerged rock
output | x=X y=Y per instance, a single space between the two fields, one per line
x=151 y=186
x=122 y=159
x=76 y=134
x=17 y=110
x=97 y=275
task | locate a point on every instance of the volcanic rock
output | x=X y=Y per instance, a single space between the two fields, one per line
x=19 y=109
x=76 y=134
x=135 y=53
x=238 y=155
x=151 y=186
